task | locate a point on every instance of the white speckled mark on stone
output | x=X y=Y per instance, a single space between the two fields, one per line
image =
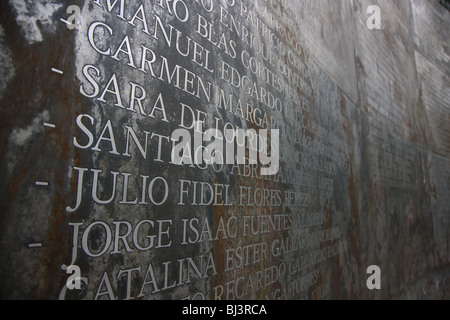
x=6 y=64
x=28 y=12
x=20 y=138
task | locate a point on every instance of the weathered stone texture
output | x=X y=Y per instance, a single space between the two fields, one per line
x=88 y=114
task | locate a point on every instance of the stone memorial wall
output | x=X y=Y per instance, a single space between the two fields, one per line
x=224 y=149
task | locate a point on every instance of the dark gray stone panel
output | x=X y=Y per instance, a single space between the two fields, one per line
x=88 y=116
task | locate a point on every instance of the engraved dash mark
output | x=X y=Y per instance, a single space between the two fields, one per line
x=57 y=71
x=49 y=125
x=35 y=245
x=65 y=21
